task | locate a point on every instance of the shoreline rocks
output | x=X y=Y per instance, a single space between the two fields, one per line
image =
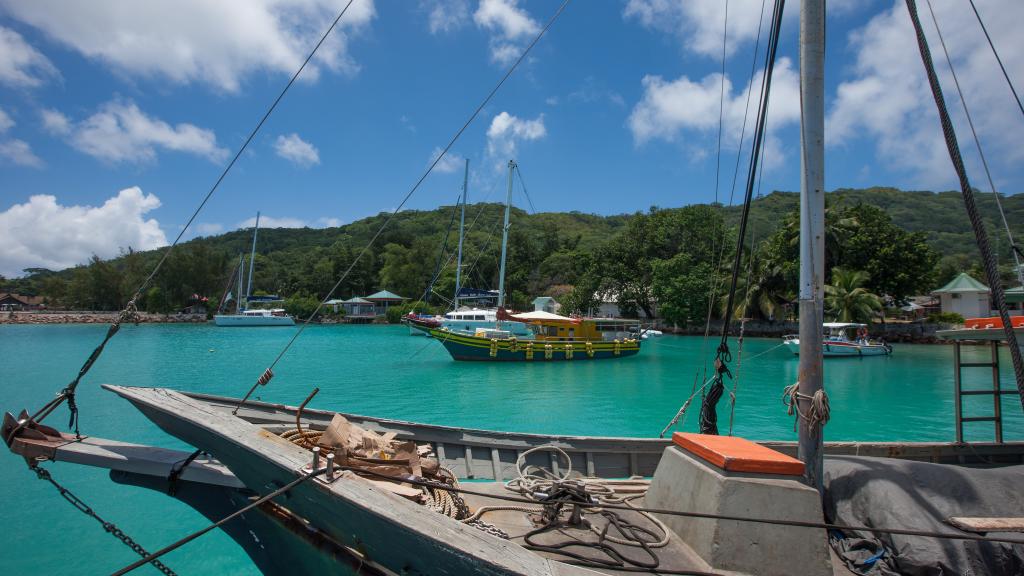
x=71 y=317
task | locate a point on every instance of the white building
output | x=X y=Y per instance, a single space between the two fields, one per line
x=965 y=296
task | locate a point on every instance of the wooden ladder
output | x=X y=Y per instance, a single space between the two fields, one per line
x=996 y=392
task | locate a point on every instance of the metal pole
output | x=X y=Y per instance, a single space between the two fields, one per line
x=504 y=237
x=812 y=224
x=958 y=398
x=241 y=272
x=462 y=232
x=252 y=256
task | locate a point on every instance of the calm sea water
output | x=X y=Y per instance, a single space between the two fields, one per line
x=382 y=371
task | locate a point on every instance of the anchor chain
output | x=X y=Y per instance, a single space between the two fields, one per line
x=44 y=474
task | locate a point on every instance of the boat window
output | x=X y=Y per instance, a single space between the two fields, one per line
x=478 y=317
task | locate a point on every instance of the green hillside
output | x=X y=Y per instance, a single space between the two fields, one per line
x=548 y=252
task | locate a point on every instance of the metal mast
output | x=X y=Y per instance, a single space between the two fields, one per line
x=252 y=256
x=462 y=231
x=504 y=237
x=241 y=272
x=812 y=228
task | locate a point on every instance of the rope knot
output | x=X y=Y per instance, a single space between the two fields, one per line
x=816 y=415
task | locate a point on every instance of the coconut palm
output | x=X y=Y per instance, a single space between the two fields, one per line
x=847 y=300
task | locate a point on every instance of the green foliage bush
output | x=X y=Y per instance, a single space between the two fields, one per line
x=945 y=318
x=300 y=306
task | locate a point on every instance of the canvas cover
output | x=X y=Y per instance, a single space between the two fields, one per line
x=892 y=493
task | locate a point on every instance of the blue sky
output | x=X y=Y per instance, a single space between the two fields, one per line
x=116 y=117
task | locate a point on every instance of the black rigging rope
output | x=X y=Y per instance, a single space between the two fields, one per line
x=998 y=59
x=522 y=183
x=980 y=234
x=269 y=372
x=708 y=414
x=1014 y=249
x=130 y=312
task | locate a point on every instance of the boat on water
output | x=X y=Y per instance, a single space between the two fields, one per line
x=838 y=341
x=244 y=316
x=549 y=337
x=311 y=491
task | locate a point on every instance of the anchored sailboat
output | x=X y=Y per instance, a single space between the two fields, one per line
x=245 y=316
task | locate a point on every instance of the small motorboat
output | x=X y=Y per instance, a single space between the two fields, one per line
x=838 y=342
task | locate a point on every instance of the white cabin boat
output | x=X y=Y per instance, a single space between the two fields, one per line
x=255 y=317
x=837 y=341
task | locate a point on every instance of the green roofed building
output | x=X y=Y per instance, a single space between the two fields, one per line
x=383 y=300
x=965 y=296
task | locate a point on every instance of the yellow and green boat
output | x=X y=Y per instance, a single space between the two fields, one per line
x=553 y=338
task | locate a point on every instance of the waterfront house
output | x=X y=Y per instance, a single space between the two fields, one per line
x=965 y=296
x=608 y=307
x=9 y=302
x=383 y=300
x=357 y=307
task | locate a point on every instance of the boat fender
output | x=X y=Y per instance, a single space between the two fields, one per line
x=568 y=351
x=590 y=349
x=548 y=350
x=513 y=344
x=494 y=347
x=529 y=350
x=617 y=348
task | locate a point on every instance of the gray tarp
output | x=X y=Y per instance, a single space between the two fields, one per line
x=892 y=493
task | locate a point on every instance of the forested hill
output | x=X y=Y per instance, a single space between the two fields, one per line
x=549 y=253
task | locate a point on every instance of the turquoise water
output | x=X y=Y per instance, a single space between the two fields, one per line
x=382 y=371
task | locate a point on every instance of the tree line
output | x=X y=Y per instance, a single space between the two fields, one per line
x=674 y=262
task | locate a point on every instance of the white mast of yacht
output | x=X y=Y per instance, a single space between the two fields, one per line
x=252 y=256
x=462 y=232
x=504 y=237
x=812 y=225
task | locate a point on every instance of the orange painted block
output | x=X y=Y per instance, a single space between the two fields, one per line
x=993 y=322
x=738 y=454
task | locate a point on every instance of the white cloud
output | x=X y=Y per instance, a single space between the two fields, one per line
x=296 y=150
x=21 y=65
x=511 y=27
x=698 y=23
x=184 y=41
x=325 y=222
x=13 y=150
x=888 y=100
x=450 y=163
x=506 y=131
x=121 y=132
x=5 y=121
x=55 y=122
x=19 y=152
x=670 y=110
x=445 y=16
x=272 y=222
x=43 y=233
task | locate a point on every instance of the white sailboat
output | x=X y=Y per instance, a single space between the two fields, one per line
x=256 y=316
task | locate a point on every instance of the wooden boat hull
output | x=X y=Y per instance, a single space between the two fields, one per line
x=467 y=347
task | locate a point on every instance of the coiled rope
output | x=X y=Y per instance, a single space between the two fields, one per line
x=817 y=414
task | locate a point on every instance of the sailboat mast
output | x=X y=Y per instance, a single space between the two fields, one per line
x=504 y=237
x=812 y=228
x=241 y=272
x=252 y=255
x=462 y=232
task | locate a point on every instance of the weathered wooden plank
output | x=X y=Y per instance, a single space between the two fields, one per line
x=496 y=464
x=982 y=525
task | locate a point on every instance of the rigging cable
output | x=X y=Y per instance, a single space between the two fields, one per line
x=440 y=255
x=130 y=312
x=522 y=183
x=269 y=372
x=1014 y=249
x=708 y=414
x=998 y=59
x=981 y=236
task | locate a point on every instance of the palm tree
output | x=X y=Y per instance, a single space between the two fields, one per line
x=847 y=300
